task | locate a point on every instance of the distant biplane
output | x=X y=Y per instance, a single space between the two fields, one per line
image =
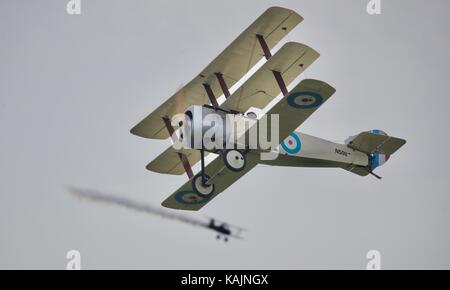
x=225 y=230
x=360 y=154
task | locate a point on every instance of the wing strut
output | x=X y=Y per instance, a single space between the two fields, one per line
x=202 y=157
x=183 y=158
x=264 y=46
x=268 y=55
x=280 y=82
x=223 y=85
x=211 y=96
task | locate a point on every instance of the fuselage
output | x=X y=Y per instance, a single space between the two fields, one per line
x=221 y=228
x=298 y=149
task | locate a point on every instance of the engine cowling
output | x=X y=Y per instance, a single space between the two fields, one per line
x=209 y=128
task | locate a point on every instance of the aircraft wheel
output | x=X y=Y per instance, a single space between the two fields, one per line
x=200 y=189
x=226 y=239
x=234 y=159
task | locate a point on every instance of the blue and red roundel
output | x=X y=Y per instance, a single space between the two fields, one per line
x=189 y=197
x=292 y=144
x=304 y=100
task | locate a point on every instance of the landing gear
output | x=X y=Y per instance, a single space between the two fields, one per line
x=225 y=239
x=234 y=159
x=201 y=187
x=200 y=182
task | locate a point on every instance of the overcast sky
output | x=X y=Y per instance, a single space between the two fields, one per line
x=71 y=87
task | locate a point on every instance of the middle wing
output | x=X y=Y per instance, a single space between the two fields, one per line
x=222 y=177
x=262 y=87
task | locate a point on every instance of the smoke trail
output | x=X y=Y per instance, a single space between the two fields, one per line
x=96 y=196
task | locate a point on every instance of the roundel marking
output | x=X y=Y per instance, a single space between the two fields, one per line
x=304 y=100
x=189 y=197
x=292 y=144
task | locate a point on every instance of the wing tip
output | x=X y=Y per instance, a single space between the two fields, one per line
x=138 y=132
x=134 y=131
x=319 y=83
x=280 y=8
x=302 y=45
x=168 y=203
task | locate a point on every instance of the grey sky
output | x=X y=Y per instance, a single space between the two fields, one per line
x=71 y=87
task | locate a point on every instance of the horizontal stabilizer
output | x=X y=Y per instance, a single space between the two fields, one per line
x=369 y=143
x=358 y=170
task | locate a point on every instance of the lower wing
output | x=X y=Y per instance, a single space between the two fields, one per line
x=219 y=175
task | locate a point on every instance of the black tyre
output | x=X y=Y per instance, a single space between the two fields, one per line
x=200 y=189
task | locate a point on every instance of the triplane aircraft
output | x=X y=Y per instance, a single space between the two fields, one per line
x=197 y=100
x=225 y=230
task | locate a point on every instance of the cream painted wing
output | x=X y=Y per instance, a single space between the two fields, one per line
x=222 y=177
x=235 y=61
x=262 y=87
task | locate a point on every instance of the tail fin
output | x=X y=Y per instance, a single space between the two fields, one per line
x=377 y=145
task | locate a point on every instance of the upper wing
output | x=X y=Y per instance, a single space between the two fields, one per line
x=222 y=177
x=262 y=87
x=299 y=104
x=236 y=60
